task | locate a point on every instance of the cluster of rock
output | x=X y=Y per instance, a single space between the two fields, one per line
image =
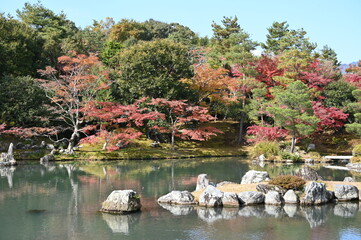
x=7 y=158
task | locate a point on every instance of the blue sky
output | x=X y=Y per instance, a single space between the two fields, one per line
x=327 y=22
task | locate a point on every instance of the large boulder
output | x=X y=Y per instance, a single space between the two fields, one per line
x=291 y=197
x=202 y=181
x=178 y=197
x=273 y=198
x=308 y=174
x=211 y=197
x=47 y=158
x=253 y=176
x=346 y=192
x=122 y=201
x=251 y=198
x=7 y=159
x=230 y=200
x=316 y=193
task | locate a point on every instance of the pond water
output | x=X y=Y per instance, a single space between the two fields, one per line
x=61 y=201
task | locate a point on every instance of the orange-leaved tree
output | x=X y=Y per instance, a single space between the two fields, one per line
x=70 y=86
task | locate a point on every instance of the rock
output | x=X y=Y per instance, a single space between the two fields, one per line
x=211 y=197
x=316 y=193
x=178 y=197
x=202 y=182
x=122 y=201
x=224 y=183
x=253 y=176
x=354 y=166
x=348 y=179
x=261 y=157
x=230 y=200
x=346 y=192
x=155 y=144
x=178 y=210
x=50 y=146
x=310 y=147
x=47 y=158
x=308 y=174
x=7 y=159
x=346 y=209
x=309 y=160
x=291 y=197
x=273 y=198
x=265 y=188
x=251 y=198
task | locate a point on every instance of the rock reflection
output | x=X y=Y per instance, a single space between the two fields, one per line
x=252 y=211
x=121 y=223
x=273 y=210
x=8 y=172
x=316 y=215
x=177 y=210
x=290 y=210
x=346 y=209
x=209 y=215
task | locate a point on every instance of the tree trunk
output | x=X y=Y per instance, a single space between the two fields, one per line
x=173 y=132
x=293 y=143
x=241 y=123
x=73 y=139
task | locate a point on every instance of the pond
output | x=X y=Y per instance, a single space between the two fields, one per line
x=61 y=201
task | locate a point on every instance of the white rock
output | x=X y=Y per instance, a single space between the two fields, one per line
x=316 y=193
x=202 y=181
x=346 y=192
x=291 y=197
x=122 y=201
x=251 y=197
x=273 y=198
x=177 y=197
x=253 y=176
x=211 y=197
x=230 y=200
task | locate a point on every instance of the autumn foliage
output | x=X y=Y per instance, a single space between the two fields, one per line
x=267 y=133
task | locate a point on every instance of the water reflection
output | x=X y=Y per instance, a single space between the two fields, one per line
x=121 y=223
x=72 y=193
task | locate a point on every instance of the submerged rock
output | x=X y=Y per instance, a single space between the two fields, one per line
x=346 y=192
x=251 y=198
x=253 y=176
x=122 y=201
x=202 y=181
x=316 y=193
x=211 y=197
x=178 y=197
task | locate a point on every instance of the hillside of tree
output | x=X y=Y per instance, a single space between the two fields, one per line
x=152 y=89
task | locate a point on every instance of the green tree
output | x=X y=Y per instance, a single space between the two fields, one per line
x=281 y=38
x=22 y=102
x=292 y=110
x=355 y=107
x=59 y=34
x=153 y=69
x=20 y=47
x=328 y=54
x=338 y=94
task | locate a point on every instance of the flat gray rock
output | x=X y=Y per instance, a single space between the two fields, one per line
x=253 y=176
x=346 y=192
x=251 y=198
x=178 y=197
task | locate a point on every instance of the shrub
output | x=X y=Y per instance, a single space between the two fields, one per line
x=288 y=182
x=289 y=156
x=356 y=152
x=269 y=149
x=356 y=159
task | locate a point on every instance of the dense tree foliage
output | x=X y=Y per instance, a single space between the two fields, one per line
x=292 y=88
